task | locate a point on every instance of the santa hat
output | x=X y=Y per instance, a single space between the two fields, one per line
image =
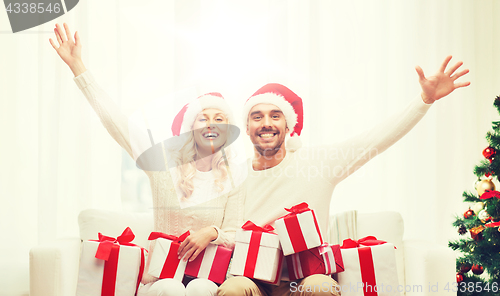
x=184 y=120
x=289 y=103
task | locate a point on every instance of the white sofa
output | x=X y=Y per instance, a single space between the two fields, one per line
x=421 y=265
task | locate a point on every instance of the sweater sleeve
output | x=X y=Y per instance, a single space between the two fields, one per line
x=115 y=122
x=347 y=157
x=233 y=218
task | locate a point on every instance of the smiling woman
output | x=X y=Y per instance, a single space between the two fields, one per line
x=200 y=167
x=210 y=131
x=200 y=173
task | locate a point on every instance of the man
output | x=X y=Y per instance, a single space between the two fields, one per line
x=285 y=176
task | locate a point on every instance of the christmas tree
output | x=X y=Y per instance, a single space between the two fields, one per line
x=478 y=267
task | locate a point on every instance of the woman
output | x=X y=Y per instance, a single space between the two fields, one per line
x=213 y=222
x=200 y=158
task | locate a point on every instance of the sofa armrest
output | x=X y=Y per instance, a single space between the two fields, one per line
x=54 y=268
x=429 y=269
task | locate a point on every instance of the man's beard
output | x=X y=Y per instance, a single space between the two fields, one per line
x=268 y=152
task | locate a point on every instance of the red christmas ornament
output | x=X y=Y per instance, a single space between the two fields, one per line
x=465 y=268
x=477 y=269
x=469 y=213
x=489 y=153
x=460 y=277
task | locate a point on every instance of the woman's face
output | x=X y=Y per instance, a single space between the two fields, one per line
x=210 y=131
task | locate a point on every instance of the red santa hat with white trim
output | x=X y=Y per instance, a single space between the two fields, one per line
x=289 y=103
x=184 y=120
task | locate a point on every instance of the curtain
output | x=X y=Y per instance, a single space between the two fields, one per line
x=352 y=62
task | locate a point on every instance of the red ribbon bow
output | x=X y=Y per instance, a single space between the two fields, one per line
x=366 y=241
x=107 y=242
x=249 y=225
x=489 y=194
x=155 y=235
x=297 y=209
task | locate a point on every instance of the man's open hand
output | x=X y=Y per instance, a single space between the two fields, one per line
x=442 y=83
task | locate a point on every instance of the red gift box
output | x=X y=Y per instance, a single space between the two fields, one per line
x=325 y=259
x=110 y=266
x=370 y=266
x=257 y=253
x=212 y=263
x=299 y=230
x=165 y=263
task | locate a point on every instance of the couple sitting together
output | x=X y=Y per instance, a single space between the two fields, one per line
x=210 y=194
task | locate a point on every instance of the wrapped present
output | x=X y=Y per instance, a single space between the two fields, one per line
x=212 y=263
x=257 y=253
x=325 y=259
x=370 y=268
x=299 y=230
x=165 y=263
x=110 y=266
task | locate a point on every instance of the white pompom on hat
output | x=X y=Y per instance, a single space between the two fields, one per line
x=289 y=103
x=184 y=120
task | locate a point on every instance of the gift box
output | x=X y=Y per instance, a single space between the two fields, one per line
x=257 y=253
x=299 y=230
x=212 y=263
x=110 y=267
x=370 y=268
x=325 y=259
x=165 y=263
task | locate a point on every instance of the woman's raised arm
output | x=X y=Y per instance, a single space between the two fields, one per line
x=115 y=122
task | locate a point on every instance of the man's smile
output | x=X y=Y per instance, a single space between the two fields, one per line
x=267 y=135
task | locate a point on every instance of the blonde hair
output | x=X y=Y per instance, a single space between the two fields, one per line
x=185 y=158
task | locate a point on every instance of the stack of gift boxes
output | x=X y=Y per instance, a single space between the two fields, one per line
x=111 y=266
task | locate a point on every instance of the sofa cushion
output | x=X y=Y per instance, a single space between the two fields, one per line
x=112 y=223
x=387 y=226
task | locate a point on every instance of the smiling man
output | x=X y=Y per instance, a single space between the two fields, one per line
x=283 y=175
x=266 y=114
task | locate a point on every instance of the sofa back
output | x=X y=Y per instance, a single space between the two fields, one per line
x=113 y=223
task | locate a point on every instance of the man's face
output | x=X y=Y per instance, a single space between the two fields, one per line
x=267 y=129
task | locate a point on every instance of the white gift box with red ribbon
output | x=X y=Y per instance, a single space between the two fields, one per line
x=212 y=263
x=299 y=230
x=325 y=259
x=370 y=268
x=165 y=263
x=257 y=253
x=110 y=267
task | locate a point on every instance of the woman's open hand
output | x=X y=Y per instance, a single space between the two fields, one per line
x=69 y=50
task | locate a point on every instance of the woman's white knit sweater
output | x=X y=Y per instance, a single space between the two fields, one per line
x=225 y=212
